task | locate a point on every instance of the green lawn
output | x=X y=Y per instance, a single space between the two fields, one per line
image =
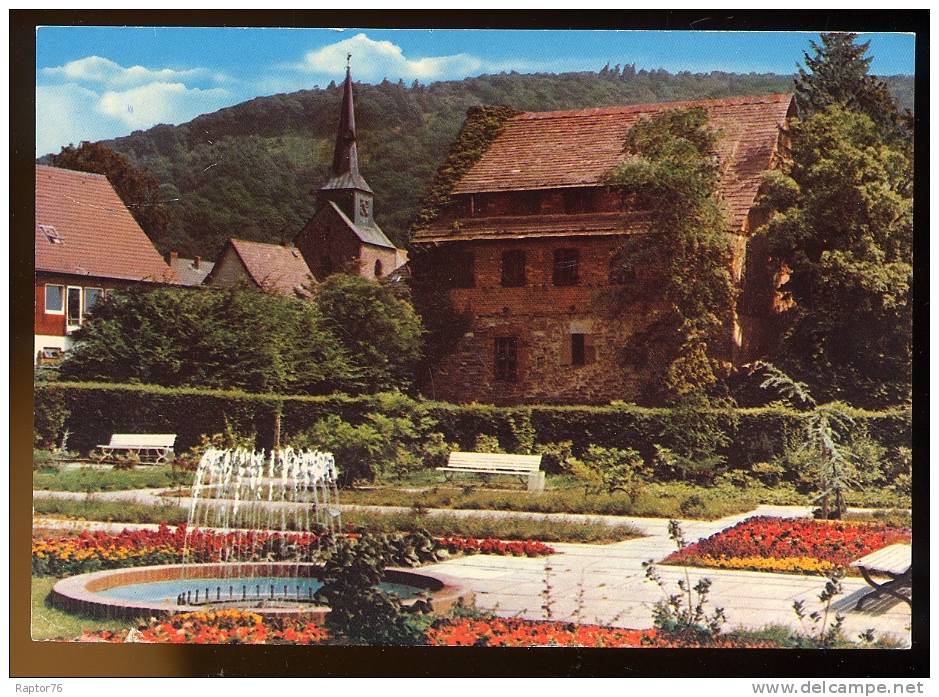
x=476 y=526
x=50 y=623
x=97 y=479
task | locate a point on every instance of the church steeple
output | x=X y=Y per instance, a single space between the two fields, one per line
x=345 y=174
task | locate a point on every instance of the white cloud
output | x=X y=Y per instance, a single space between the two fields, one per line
x=374 y=60
x=107 y=72
x=66 y=114
x=160 y=102
x=95 y=98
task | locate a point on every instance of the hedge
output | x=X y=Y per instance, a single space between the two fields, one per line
x=93 y=411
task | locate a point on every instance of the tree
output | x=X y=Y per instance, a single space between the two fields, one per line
x=380 y=333
x=841 y=222
x=139 y=191
x=674 y=174
x=216 y=339
x=839 y=77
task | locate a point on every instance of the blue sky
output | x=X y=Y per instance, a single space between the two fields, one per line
x=102 y=82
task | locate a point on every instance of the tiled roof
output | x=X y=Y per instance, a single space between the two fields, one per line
x=560 y=149
x=519 y=226
x=94 y=233
x=274 y=267
x=187 y=273
x=369 y=234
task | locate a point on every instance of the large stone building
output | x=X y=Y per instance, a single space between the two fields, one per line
x=528 y=237
x=342 y=235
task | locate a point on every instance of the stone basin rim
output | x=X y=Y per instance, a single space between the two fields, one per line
x=80 y=593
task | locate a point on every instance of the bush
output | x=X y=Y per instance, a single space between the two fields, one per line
x=360 y=612
x=436 y=451
x=49 y=419
x=762 y=435
x=611 y=469
x=556 y=457
x=487 y=444
x=357 y=449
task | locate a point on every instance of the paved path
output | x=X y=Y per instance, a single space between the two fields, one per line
x=606 y=583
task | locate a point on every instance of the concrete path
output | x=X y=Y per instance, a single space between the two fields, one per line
x=606 y=583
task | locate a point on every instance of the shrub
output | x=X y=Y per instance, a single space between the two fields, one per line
x=556 y=457
x=611 y=469
x=96 y=410
x=357 y=449
x=436 y=451
x=487 y=444
x=49 y=420
x=359 y=611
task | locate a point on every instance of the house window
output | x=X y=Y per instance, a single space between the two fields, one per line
x=506 y=358
x=73 y=306
x=513 y=268
x=463 y=274
x=565 y=267
x=578 y=349
x=326 y=264
x=92 y=295
x=55 y=302
x=378 y=268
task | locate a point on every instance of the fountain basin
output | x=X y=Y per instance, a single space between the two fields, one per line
x=146 y=591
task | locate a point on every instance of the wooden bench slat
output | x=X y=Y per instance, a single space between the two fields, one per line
x=895 y=559
x=528 y=466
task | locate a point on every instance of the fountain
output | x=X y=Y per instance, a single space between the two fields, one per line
x=276 y=513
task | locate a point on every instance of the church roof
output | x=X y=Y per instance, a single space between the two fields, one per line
x=564 y=149
x=367 y=234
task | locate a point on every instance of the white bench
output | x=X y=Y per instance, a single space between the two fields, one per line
x=155 y=447
x=528 y=467
x=894 y=562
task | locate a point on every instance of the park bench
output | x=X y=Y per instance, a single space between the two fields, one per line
x=893 y=562
x=155 y=448
x=528 y=467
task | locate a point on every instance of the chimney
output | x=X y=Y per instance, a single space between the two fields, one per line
x=172 y=258
x=195 y=262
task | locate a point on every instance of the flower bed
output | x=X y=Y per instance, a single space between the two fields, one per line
x=789 y=545
x=92 y=551
x=245 y=627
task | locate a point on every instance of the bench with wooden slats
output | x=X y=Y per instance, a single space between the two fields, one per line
x=893 y=562
x=155 y=448
x=528 y=467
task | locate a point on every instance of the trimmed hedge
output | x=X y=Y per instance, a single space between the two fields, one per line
x=96 y=410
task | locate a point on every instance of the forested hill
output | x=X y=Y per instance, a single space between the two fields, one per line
x=250 y=170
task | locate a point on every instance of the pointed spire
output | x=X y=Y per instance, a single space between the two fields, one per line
x=345 y=157
x=345 y=170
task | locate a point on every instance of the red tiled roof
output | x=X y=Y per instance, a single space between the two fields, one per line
x=554 y=149
x=98 y=235
x=274 y=267
x=518 y=226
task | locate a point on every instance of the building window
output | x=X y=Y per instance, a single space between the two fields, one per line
x=578 y=349
x=378 y=268
x=507 y=358
x=565 y=267
x=326 y=264
x=73 y=306
x=92 y=296
x=55 y=302
x=513 y=268
x=463 y=274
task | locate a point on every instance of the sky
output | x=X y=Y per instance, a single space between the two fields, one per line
x=103 y=82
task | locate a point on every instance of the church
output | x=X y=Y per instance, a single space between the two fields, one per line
x=528 y=236
x=341 y=237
